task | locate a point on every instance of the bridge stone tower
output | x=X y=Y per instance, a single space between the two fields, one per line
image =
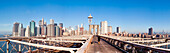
x=94 y=27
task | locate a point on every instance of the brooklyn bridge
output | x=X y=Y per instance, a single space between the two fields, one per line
x=84 y=44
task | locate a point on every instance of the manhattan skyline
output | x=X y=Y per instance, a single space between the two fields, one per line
x=132 y=16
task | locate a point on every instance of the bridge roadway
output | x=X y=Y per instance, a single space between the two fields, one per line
x=103 y=47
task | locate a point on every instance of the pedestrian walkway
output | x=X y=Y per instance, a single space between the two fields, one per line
x=103 y=47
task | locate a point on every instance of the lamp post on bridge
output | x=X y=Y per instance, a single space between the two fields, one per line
x=90 y=19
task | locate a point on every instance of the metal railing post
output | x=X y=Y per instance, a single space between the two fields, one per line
x=7 y=46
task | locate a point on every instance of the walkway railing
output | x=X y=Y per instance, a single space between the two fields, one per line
x=18 y=44
x=131 y=46
x=83 y=49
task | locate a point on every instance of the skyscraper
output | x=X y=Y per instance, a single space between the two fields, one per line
x=42 y=27
x=57 y=31
x=20 y=30
x=78 y=30
x=15 y=29
x=32 y=28
x=55 y=24
x=109 y=29
x=51 y=21
x=118 y=30
x=81 y=30
x=42 y=21
x=42 y=30
x=23 y=31
x=38 y=31
x=45 y=30
x=45 y=23
x=73 y=32
x=50 y=30
x=103 y=29
x=61 y=27
x=150 y=31
x=27 y=32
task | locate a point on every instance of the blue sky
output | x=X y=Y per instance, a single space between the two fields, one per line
x=131 y=15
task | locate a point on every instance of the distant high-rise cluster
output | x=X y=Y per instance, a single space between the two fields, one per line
x=44 y=29
x=53 y=29
x=107 y=30
x=18 y=29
